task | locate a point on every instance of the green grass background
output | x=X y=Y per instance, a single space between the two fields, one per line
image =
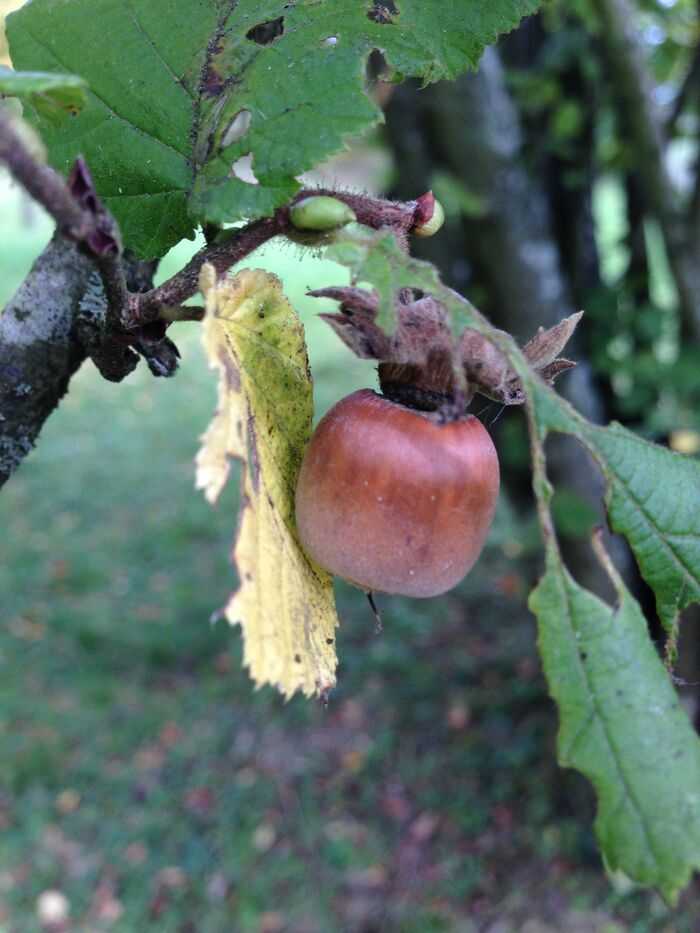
x=144 y=779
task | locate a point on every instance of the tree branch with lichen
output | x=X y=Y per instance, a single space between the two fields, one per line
x=80 y=216
x=76 y=301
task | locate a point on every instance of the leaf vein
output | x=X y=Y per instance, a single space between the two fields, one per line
x=104 y=103
x=142 y=32
x=662 y=539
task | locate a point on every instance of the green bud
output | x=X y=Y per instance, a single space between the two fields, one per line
x=433 y=225
x=320 y=212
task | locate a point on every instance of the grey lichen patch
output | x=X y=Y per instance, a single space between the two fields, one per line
x=13 y=450
x=92 y=308
x=92 y=303
x=44 y=306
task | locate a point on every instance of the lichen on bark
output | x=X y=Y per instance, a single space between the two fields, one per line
x=39 y=347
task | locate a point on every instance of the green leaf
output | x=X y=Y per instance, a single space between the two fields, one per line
x=379 y=261
x=573 y=515
x=652 y=497
x=142 y=61
x=305 y=90
x=623 y=727
x=54 y=96
x=447 y=39
x=198 y=111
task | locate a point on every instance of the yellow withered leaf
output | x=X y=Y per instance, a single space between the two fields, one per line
x=284 y=603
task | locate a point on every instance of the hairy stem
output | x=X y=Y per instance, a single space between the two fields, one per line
x=42 y=182
x=43 y=338
x=185 y=283
x=79 y=215
x=241 y=242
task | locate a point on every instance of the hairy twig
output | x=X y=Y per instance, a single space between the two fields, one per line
x=43 y=183
x=240 y=242
x=74 y=205
x=81 y=217
x=113 y=312
x=401 y=216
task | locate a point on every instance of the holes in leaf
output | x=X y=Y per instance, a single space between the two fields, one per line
x=242 y=169
x=377 y=68
x=415 y=294
x=265 y=33
x=237 y=128
x=383 y=13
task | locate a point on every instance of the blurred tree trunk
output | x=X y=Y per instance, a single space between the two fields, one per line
x=644 y=126
x=470 y=129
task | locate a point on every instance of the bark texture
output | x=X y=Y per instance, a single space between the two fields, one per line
x=39 y=347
